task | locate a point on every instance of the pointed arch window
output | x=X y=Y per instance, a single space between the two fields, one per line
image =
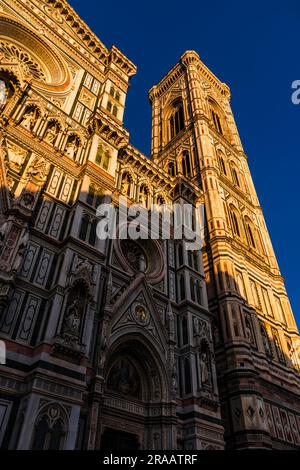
x=176 y=120
x=235 y=223
x=115 y=111
x=222 y=165
x=186 y=164
x=251 y=237
x=112 y=91
x=216 y=121
x=235 y=177
x=109 y=106
x=171 y=169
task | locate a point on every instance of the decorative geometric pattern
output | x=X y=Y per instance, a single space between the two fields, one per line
x=29 y=66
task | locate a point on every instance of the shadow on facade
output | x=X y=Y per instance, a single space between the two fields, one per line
x=61 y=292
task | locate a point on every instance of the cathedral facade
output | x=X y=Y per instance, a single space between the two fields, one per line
x=120 y=343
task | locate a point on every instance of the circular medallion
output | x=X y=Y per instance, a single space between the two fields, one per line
x=141 y=314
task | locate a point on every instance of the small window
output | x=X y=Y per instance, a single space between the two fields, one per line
x=109 y=106
x=115 y=111
x=84 y=227
x=235 y=224
x=251 y=238
x=171 y=169
x=235 y=177
x=112 y=91
x=222 y=165
x=91 y=196
x=186 y=164
x=92 y=236
x=118 y=96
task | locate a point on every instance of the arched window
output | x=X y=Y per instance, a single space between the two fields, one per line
x=109 y=106
x=93 y=232
x=84 y=227
x=187 y=376
x=118 y=96
x=171 y=168
x=222 y=163
x=235 y=177
x=176 y=120
x=216 y=121
x=115 y=111
x=251 y=237
x=182 y=288
x=186 y=164
x=112 y=91
x=235 y=224
x=185 y=334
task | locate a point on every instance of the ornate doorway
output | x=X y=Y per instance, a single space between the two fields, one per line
x=136 y=385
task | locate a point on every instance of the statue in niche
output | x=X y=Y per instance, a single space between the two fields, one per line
x=204 y=368
x=249 y=332
x=16 y=156
x=142 y=263
x=3 y=231
x=29 y=118
x=72 y=319
x=123 y=378
x=20 y=252
x=265 y=341
x=170 y=321
x=72 y=322
x=51 y=133
x=174 y=378
x=278 y=348
x=126 y=185
x=71 y=148
x=196 y=326
x=3 y=93
x=143 y=199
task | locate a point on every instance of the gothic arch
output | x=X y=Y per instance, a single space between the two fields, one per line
x=174 y=118
x=250 y=232
x=148 y=361
x=235 y=220
x=51 y=427
x=127 y=183
x=218 y=117
x=222 y=161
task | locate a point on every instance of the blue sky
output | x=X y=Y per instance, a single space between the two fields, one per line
x=253 y=47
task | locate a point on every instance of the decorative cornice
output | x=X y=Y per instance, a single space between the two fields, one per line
x=187 y=59
x=108 y=129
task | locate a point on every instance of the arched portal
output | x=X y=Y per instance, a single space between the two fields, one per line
x=135 y=394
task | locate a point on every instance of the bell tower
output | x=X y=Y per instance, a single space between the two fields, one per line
x=195 y=138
